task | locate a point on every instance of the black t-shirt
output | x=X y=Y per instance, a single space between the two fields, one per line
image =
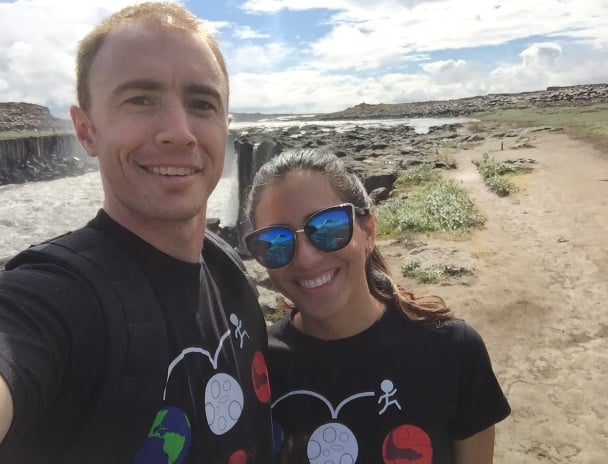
x=396 y=392
x=211 y=400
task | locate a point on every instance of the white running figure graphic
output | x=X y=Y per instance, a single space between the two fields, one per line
x=389 y=390
x=239 y=333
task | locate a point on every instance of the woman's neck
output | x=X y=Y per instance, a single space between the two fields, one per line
x=342 y=327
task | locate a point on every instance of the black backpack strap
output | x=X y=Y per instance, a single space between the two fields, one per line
x=218 y=250
x=135 y=341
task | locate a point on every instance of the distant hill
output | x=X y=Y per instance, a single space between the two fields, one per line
x=253 y=117
x=574 y=95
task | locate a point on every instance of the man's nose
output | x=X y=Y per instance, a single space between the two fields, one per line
x=175 y=126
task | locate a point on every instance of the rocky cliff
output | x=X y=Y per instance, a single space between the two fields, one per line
x=26 y=156
x=42 y=158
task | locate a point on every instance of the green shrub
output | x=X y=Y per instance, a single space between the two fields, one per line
x=493 y=173
x=490 y=167
x=500 y=185
x=439 y=206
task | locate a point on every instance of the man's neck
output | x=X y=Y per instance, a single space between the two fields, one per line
x=182 y=240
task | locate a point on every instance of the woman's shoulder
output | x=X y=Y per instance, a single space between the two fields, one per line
x=453 y=332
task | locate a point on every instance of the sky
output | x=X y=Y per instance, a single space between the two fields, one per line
x=316 y=56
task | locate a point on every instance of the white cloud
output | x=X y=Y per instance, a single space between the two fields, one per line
x=256 y=58
x=245 y=32
x=296 y=91
x=366 y=34
x=452 y=71
x=545 y=55
x=37 y=48
x=273 y=6
x=353 y=61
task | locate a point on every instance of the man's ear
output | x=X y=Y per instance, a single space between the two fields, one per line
x=83 y=128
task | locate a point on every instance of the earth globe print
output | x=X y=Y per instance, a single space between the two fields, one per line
x=169 y=439
x=332 y=443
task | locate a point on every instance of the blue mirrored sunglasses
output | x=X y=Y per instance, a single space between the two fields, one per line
x=328 y=230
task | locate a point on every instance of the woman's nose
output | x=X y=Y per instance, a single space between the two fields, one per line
x=306 y=254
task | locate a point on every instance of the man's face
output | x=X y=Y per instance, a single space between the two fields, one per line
x=158 y=123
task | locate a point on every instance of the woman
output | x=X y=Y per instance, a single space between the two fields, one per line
x=360 y=370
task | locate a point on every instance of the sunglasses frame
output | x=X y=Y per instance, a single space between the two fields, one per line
x=352 y=212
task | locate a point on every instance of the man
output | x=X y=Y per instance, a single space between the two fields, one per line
x=124 y=343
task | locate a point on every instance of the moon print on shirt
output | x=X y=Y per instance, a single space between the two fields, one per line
x=334 y=442
x=224 y=399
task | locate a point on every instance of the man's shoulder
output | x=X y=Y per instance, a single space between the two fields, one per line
x=62 y=251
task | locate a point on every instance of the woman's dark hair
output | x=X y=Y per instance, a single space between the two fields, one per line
x=429 y=309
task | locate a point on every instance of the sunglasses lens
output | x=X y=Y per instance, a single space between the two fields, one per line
x=330 y=230
x=272 y=247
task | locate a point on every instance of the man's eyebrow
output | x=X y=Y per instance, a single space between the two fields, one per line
x=137 y=84
x=146 y=84
x=204 y=90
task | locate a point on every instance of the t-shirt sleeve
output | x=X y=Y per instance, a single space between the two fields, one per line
x=481 y=400
x=44 y=314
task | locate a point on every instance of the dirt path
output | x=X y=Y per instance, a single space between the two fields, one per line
x=540 y=297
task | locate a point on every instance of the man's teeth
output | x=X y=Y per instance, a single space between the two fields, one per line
x=171 y=171
x=314 y=283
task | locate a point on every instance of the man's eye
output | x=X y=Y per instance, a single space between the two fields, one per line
x=202 y=105
x=139 y=101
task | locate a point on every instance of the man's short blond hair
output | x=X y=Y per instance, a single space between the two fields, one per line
x=165 y=14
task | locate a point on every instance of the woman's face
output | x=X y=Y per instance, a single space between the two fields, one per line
x=328 y=288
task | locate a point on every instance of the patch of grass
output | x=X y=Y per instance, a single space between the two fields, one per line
x=490 y=167
x=434 y=274
x=449 y=145
x=387 y=215
x=11 y=135
x=415 y=177
x=414 y=270
x=588 y=123
x=500 y=185
x=494 y=175
x=440 y=205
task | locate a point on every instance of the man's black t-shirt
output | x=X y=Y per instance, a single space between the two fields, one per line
x=209 y=384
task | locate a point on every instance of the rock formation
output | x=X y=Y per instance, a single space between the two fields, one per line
x=42 y=158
